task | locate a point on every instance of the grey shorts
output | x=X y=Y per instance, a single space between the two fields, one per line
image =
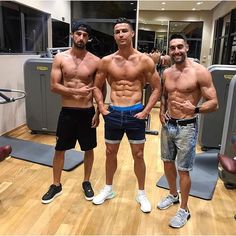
x=178 y=142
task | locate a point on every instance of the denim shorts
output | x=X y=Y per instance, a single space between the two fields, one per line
x=121 y=120
x=178 y=142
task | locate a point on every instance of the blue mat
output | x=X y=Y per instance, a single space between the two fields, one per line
x=40 y=153
x=204 y=176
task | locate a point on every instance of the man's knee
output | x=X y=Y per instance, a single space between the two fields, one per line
x=110 y=151
x=138 y=155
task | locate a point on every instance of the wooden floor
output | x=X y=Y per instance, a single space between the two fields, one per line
x=22 y=185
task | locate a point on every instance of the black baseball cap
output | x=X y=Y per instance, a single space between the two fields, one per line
x=81 y=25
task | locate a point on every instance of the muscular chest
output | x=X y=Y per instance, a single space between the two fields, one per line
x=81 y=70
x=183 y=83
x=126 y=70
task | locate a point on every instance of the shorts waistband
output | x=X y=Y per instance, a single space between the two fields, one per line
x=135 y=107
x=77 y=108
x=181 y=122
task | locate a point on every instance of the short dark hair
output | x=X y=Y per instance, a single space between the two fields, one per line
x=178 y=36
x=81 y=25
x=124 y=20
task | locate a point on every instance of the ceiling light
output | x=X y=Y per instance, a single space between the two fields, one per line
x=193 y=9
x=163 y=3
x=163 y=9
x=131 y=3
x=199 y=3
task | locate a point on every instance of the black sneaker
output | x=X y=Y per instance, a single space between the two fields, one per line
x=52 y=193
x=88 y=191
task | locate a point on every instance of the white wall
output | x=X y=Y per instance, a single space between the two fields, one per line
x=12 y=114
x=57 y=8
x=205 y=16
x=11 y=66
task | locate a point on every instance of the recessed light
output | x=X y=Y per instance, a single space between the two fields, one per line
x=163 y=9
x=193 y=9
x=135 y=9
x=199 y=3
x=163 y=3
x=131 y=3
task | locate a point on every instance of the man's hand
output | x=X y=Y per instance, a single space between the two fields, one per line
x=163 y=118
x=85 y=90
x=141 y=115
x=95 y=121
x=186 y=107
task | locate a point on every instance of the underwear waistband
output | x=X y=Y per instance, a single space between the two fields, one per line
x=135 y=107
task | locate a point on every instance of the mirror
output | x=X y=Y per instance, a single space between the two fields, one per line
x=152 y=34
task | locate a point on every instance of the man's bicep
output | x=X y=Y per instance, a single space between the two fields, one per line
x=56 y=73
x=207 y=86
x=154 y=80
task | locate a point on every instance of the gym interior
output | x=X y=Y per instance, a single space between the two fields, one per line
x=31 y=33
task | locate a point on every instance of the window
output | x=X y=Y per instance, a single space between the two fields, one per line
x=22 y=29
x=60 y=34
x=225 y=40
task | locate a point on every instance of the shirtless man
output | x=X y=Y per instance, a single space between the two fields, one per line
x=155 y=55
x=127 y=72
x=185 y=83
x=72 y=77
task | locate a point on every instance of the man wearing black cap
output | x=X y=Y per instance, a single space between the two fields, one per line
x=72 y=77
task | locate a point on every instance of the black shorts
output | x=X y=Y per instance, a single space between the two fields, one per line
x=75 y=124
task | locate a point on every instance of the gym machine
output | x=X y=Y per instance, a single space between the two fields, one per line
x=229 y=131
x=211 y=124
x=42 y=106
x=7 y=149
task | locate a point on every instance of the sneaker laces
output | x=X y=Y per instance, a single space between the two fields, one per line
x=143 y=198
x=168 y=198
x=51 y=189
x=180 y=216
x=104 y=191
x=88 y=187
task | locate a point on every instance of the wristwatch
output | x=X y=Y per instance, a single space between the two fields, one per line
x=197 y=110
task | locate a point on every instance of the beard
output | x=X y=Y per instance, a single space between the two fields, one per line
x=79 y=45
x=179 y=60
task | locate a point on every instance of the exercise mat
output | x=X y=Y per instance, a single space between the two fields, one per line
x=204 y=176
x=40 y=153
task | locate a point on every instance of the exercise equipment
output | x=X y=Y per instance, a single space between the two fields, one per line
x=146 y=94
x=5 y=99
x=5 y=152
x=204 y=176
x=41 y=153
x=51 y=52
x=229 y=131
x=229 y=163
x=42 y=106
x=211 y=124
x=7 y=149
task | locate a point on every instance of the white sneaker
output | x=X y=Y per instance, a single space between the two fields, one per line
x=144 y=202
x=180 y=219
x=168 y=201
x=102 y=196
